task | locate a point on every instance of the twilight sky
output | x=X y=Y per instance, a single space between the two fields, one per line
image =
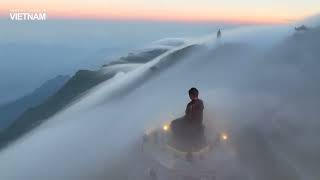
x=262 y=11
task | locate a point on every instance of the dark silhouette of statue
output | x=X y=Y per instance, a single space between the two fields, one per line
x=219 y=34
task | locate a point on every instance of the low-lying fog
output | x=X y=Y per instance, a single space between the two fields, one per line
x=32 y=52
x=255 y=83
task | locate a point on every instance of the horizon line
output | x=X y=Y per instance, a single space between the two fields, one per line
x=164 y=20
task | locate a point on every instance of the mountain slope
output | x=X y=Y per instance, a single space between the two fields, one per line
x=10 y=111
x=81 y=82
x=78 y=84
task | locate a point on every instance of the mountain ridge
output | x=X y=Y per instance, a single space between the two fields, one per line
x=11 y=110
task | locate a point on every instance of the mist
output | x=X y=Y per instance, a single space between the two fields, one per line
x=265 y=101
x=39 y=51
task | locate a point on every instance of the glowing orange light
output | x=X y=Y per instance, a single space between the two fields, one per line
x=224 y=136
x=165 y=127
